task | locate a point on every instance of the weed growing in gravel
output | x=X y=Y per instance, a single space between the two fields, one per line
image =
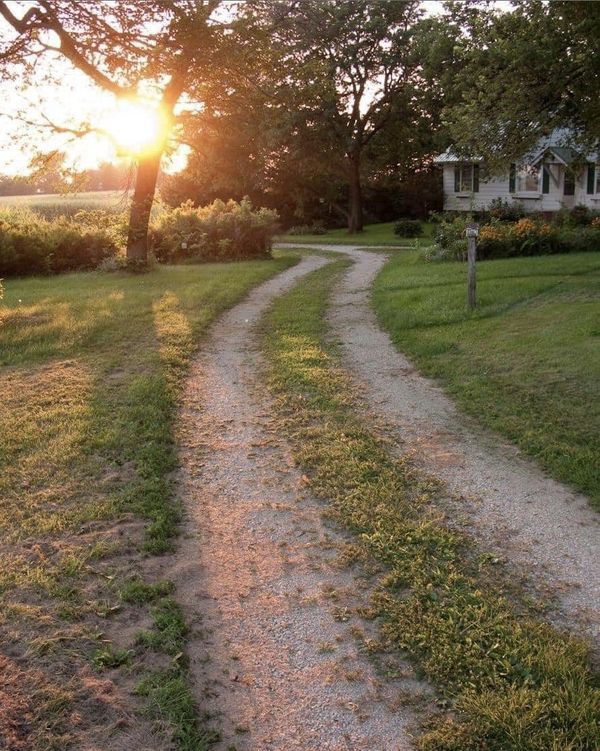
x=512 y=682
x=167 y=691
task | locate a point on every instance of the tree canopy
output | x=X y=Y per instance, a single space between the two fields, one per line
x=155 y=50
x=524 y=73
x=328 y=95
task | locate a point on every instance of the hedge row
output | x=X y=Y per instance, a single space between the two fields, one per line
x=218 y=232
x=30 y=244
x=526 y=237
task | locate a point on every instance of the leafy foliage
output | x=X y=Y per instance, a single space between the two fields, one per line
x=506 y=211
x=31 y=245
x=522 y=74
x=530 y=236
x=307 y=229
x=220 y=231
x=408 y=228
x=326 y=92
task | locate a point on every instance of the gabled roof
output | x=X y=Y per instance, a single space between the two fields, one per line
x=553 y=143
x=563 y=154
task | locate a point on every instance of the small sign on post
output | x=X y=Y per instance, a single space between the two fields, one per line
x=472 y=233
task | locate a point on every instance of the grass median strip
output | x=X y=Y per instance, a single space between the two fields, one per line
x=91 y=367
x=512 y=682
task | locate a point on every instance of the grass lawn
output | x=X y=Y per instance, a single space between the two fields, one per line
x=90 y=368
x=373 y=234
x=526 y=363
x=509 y=681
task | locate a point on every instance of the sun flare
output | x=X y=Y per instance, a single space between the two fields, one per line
x=136 y=127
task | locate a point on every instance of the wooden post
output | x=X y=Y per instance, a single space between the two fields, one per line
x=472 y=232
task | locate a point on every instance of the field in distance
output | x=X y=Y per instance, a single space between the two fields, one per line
x=53 y=205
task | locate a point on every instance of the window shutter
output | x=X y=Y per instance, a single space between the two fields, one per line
x=591 y=175
x=457 y=179
x=476 y=178
x=545 y=180
x=512 y=178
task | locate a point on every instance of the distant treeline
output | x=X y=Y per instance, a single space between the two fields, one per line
x=106 y=177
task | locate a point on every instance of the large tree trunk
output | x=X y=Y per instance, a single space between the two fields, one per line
x=147 y=176
x=141 y=206
x=355 y=210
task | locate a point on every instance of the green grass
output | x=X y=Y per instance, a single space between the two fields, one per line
x=526 y=363
x=90 y=371
x=373 y=234
x=511 y=682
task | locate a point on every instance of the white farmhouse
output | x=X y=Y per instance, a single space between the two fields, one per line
x=548 y=179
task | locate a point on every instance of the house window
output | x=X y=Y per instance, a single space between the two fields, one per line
x=466 y=178
x=527 y=179
x=593 y=179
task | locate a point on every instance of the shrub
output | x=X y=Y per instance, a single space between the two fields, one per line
x=317 y=228
x=115 y=224
x=437 y=217
x=450 y=238
x=528 y=237
x=578 y=216
x=30 y=244
x=408 y=228
x=579 y=240
x=218 y=232
x=506 y=211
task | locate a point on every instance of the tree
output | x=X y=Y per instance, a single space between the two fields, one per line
x=127 y=48
x=525 y=72
x=346 y=70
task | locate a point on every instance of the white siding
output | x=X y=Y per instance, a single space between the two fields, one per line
x=493 y=188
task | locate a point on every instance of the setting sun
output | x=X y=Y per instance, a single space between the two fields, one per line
x=136 y=127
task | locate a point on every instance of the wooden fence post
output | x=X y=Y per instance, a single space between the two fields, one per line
x=472 y=232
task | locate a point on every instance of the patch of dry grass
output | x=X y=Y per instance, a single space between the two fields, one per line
x=90 y=368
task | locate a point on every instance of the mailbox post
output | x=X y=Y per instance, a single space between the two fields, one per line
x=472 y=233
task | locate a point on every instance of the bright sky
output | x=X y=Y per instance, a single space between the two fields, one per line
x=62 y=96
x=74 y=103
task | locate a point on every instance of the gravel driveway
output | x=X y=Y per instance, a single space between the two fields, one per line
x=543 y=527
x=275 y=658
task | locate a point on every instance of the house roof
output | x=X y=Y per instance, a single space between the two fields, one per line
x=553 y=143
x=563 y=154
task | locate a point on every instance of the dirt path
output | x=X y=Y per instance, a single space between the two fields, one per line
x=543 y=527
x=274 y=659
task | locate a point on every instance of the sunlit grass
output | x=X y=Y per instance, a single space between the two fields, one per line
x=90 y=371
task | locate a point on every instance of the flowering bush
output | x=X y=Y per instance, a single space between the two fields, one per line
x=218 y=232
x=527 y=237
x=30 y=244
